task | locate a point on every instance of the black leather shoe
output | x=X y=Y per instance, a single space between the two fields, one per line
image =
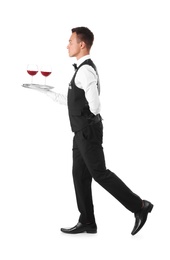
x=81 y=228
x=141 y=216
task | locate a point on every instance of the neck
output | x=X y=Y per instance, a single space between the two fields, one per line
x=82 y=54
x=82 y=59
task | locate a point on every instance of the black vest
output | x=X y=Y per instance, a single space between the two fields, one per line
x=78 y=108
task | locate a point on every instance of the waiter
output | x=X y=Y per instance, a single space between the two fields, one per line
x=88 y=157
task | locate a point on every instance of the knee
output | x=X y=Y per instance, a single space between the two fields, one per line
x=98 y=176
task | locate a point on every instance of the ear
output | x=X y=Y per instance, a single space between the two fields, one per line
x=83 y=45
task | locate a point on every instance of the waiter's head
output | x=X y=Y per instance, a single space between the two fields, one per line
x=80 y=42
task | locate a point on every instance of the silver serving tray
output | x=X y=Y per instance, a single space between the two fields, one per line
x=36 y=86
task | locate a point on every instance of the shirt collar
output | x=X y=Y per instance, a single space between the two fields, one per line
x=82 y=59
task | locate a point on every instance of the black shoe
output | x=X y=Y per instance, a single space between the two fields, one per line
x=80 y=228
x=141 y=216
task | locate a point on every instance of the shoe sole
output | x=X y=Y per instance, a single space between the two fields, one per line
x=80 y=232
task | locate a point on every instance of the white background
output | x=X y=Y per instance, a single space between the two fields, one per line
x=132 y=53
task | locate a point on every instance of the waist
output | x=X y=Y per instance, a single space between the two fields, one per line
x=94 y=119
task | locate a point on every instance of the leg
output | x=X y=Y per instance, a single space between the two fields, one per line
x=82 y=183
x=89 y=160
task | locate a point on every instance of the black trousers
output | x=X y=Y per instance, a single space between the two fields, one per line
x=88 y=163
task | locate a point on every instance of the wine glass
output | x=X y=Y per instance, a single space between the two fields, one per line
x=46 y=71
x=32 y=70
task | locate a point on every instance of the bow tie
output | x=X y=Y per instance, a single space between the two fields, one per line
x=75 y=66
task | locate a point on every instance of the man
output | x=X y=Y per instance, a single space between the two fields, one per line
x=88 y=157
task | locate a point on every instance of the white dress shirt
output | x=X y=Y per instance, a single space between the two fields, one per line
x=86 y=79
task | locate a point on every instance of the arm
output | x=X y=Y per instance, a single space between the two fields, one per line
x=57 y=97
x=86 y=79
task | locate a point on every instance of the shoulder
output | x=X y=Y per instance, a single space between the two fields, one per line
x=86 y=73
x=86 y=69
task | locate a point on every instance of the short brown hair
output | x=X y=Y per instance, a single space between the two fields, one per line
x=85 y=35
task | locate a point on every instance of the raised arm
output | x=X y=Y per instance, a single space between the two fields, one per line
x=57 y=97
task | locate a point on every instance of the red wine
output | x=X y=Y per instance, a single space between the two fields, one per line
x=45 y=73
x=32 y=72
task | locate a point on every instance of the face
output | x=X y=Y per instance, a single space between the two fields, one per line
x=75 y=46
